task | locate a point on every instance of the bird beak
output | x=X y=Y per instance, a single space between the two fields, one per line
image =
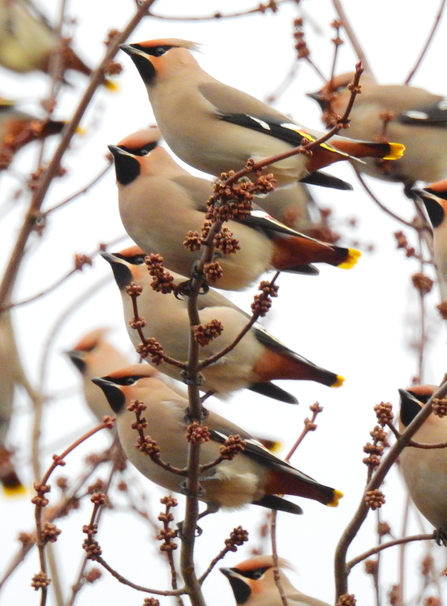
x=130 y=50
x=122 y=274
x=78 y=359
x=142 y=62
x=318 y=97
x=434 y=208
x=112 y=392
x=241 y=589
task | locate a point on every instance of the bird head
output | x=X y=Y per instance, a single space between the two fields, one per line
x=155 y=59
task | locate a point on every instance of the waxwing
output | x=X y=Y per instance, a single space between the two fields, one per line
x=253 y=584
x=11 y=374
x=160 y=203
x=425 y=470
x=17 y=128
x=406 y=114
x=216 y=128
x=28 y=41
x=434 y=198
x=253 y=476
x=93 y=355
x=256 y=360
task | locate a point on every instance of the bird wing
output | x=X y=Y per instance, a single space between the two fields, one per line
x=434 y=114
x=237 y=107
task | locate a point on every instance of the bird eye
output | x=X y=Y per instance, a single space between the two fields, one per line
x=139 y=260
x=129 y=381
x=144 y=152
x=159 y=51
x=258 y=574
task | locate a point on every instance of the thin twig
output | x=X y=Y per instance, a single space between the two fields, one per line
x=80 y=581
x=67 y=134
x=352 y=36
x=379 y=204
x=50 y=516
x=367 y=554
x=81 y=192
x=62 y=279
x=309 y=425
x=262 y=8
x=431 y=35
x=341 y=569
x=125 y=581
x=402 y=553
x=276 y=576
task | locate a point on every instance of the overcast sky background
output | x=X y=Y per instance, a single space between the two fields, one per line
x=358 y=323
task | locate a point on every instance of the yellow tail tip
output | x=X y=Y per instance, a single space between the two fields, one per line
x=6 y=102
x=80 y=131
x=396 y=151
x=338 y=381
x=272 y=445
x=17 y=490
x=111 y=86
x=351 y=260
x=335 y=499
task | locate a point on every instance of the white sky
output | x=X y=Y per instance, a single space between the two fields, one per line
x=357 y=323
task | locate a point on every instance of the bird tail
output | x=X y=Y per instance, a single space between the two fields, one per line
x=113 y=87
x=369 y=149
x=290 y=481
x=12 y=486
x=353 y=255
x=290 y=253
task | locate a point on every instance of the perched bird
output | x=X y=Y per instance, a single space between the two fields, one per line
x=217 y=128
x=425 y=470
x=253 y=584
x=94 y=356
x=256 y=360
x=28 y=42
x=160 y=203
x=11 y=374
x=17 y=128
x=434 y=198
x=395 y=112
x=253 y=476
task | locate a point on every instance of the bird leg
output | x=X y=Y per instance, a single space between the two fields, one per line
x=440 y=535
x=210 y=508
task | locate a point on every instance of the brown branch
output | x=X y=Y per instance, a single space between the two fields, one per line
x=337 y=41
x=352 y=36
x=237 y=538
x=262 y=8
x=276 y=576
x=145 y=444
x=82 y=191
x=67 y=134
x=309 y=425
x=41 y=580
x=125 y=581
x=402 y=551
x=412 y=443
x=50 y=516
x=167 y=535
x=137 y=323
x=62 y=279
x=341 y=570
x=427 y=44
x=367 y=554
x=80 y=581
x=379 y=204
x=255 y=317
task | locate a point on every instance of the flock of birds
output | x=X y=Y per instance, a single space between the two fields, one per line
x=396 y=134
